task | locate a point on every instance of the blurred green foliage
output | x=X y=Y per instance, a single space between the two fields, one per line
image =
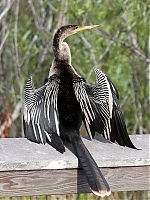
x=27 y=51
x=114 y=196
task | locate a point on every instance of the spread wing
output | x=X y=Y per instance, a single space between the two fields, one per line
x=41 y=117
x=101 y=111
x=118 y=127
x=94 y=105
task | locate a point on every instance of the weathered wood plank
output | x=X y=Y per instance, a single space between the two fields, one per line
x=46 y=182
x=21 y=154
x=30 y=169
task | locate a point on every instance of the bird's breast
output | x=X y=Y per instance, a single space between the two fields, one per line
x=68 y=106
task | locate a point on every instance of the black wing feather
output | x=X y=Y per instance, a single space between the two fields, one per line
x=118 y=126
x=95 y=113
x=41 y=117
x=108 y=118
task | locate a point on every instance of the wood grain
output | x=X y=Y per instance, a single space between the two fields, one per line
x=46 y=182
x=21 y=154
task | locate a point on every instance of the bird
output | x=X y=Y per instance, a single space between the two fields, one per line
x=54 y=112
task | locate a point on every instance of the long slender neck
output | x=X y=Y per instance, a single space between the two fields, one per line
x=61 y=49
x=57 y=42
x=61 y=52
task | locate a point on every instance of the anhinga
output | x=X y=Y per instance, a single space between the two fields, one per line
x=54 y=112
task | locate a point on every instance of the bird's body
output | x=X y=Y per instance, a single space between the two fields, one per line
x=69 y=108
x=54 y=112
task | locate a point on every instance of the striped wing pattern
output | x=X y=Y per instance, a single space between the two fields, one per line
x=83 y=99
x=99 y=105
x=96 y=105
x=105 y=95
x=118 y=127
x=101 y=110
x=105 y=91
x=41 y=117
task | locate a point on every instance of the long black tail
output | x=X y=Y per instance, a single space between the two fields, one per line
x=94 y=176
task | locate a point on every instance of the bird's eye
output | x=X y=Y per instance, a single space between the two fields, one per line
x=76 y=27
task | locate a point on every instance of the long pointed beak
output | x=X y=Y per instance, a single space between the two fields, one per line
x=84 y=28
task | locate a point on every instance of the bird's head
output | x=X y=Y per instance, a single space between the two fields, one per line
x=66 y=31
x=61 y=49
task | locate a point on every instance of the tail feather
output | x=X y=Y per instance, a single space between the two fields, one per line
x=94 y=176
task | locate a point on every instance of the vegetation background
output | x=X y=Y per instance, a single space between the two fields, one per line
x=120 y=47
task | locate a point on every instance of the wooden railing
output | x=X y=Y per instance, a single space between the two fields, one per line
x=27 y=168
